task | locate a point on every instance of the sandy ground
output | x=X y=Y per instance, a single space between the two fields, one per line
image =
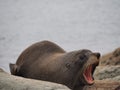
x=72 y=24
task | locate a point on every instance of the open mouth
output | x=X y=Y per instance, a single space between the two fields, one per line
x=88 y=73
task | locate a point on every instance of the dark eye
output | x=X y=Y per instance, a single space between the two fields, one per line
x=82 y=57
x=68 y=65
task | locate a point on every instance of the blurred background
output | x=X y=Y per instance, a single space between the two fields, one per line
x=72 y=24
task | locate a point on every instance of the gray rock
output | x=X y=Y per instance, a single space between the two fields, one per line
x=109 y=67
x=10 y=82
x=107 y=72
x=112 y=58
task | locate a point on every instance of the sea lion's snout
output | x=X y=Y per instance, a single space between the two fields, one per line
x=97 y=55
x=89 y=67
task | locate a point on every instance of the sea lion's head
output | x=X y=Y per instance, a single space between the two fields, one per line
x=81 y=65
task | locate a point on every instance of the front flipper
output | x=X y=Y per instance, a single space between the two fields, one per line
x=13 y=68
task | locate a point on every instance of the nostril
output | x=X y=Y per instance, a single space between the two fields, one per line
x=97 y=54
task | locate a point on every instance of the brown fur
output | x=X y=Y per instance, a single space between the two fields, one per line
x=47 y=61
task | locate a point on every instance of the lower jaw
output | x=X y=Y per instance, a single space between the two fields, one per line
x=85 y=82
x=89 y=82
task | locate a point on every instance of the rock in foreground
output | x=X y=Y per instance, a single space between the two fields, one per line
x=10 y=82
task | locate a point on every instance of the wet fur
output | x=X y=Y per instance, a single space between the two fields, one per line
x=49 y=62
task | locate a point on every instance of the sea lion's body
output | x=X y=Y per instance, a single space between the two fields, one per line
x=47 y=61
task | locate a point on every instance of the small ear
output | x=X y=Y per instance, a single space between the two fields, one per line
x=13 y=68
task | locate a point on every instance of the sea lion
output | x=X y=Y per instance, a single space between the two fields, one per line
x=47 y=61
